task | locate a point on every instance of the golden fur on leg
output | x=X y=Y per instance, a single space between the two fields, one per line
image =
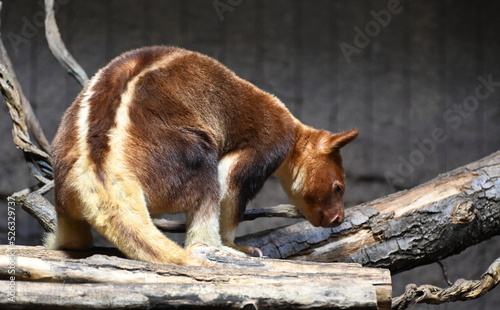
x=120 y=215
x=70 y=234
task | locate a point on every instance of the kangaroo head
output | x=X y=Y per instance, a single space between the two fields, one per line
x=313 y=175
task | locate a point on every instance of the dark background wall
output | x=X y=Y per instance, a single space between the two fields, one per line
x=405 y=73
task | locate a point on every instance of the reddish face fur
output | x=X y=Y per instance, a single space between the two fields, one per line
x=165 y=130
x=314 y=177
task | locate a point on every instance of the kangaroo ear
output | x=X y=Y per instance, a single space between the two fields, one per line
x=338 y=140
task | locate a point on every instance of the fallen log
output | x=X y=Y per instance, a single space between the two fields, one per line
x=93 y=281
x=407 y=229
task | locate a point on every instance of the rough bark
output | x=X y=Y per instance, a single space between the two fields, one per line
x=95 y=281
x=40 y=209
x=410 y=228
x=38 y=160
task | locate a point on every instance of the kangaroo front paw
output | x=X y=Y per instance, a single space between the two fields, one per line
x=247 y=249
x=250 y=250
x=231 y=250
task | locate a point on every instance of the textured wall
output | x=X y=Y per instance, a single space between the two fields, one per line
x=418 y=78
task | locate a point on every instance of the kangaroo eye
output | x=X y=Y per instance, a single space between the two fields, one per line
x=337 y=188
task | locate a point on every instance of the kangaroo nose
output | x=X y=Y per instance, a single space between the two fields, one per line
x=332 y=221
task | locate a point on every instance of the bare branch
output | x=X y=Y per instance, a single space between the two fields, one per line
x=170 y=226
x=58 y=48
x=461 y=290
x=44 y=212
x=381 y=233
x=285 y=211
x=39 y=208
x=38 y=160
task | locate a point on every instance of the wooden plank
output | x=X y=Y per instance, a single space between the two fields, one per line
x=192 y=296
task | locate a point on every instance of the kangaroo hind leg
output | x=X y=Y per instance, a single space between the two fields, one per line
x=124 y=220
x=70 y=234
x=72 y=230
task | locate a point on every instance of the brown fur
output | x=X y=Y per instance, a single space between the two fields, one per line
x=165 y=130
